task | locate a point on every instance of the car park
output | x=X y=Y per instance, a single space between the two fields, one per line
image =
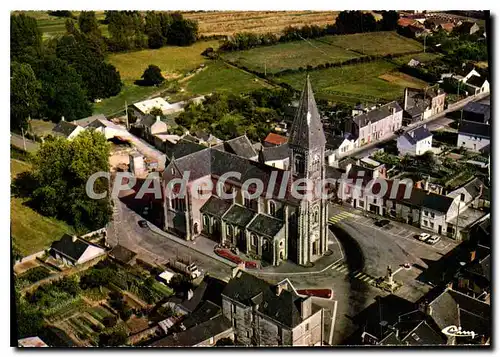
x=433 y=240
x=423 y=237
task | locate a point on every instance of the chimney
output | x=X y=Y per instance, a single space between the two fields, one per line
x=405 y=99
x=190 y=294
x=306 y=308
x=74 y=239
x=157 y=118
x=278 y=289
x=62 y=118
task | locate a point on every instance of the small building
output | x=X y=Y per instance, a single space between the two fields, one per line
x=468 y=28
x=420 y=104
x=276 y=156
x=74 y=251
x=474 y=136
x=146 y=106
x=273 y=139
x=477 y=112
x=477 y=85
x=415 y=142
x=67 y=130
x=136 y=164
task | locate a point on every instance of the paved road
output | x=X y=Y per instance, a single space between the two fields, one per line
x=17 y=141
x=366 y=149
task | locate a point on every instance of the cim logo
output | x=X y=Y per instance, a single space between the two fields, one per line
x=457 y=332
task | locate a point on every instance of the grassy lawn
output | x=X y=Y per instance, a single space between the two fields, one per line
x=171 y=60
x=289 y=55
x=374 y=43
x=423 y=57
x=30 y=231
x=219 y=77
x=41 y=127
x=365 y=82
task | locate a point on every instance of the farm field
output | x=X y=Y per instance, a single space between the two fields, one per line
x=291 y=55
x=374 y=43
x=423 y=57
x=369 y=82
x=30 y=231
x=220 y=77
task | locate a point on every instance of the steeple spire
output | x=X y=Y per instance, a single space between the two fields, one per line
x=307 y=129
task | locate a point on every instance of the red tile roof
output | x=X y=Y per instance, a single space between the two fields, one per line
x=405 y=22
x=275 y=139
x=448 y=27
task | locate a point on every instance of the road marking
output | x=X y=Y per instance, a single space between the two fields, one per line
x=366 y=278
x=343 y=270
x=358 y=274
x=336 y=265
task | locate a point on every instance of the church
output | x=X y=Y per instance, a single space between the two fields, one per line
x=273 y=227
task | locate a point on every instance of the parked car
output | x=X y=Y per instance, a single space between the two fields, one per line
x=189 y=269
x=322 y=293
x=143 y=223
x=433 y=240
x=423 y=236
x=382 y=223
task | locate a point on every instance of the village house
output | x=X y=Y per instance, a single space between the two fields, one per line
x=338 y=147
x=275 y=228
x=151 y=126
x=474 y=279
x=273 y=139
x=476 y=112
x=468 y=28
x=67 y=130
x=474 y=136
x=415 y=142
x=420 y=104
x=375 y=124
x=73 y=250
x=271 y=315
x=475 y=84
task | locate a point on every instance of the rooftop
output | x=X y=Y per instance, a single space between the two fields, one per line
x=275 y=139
x=64 y=128
x=265 y=225
x=146 y=105
x=418 y=134
x=71 y=247
x=215 y=206
x=238 y=215
x=471 y=128
x=377 y=114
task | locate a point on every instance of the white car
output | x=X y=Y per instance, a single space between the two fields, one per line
x=423 y=236
x=433 y=239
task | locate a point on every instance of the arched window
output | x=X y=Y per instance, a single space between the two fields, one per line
x=316 y=215
x=272 y=208
x=229 y=231
x=255 y=240
x=299 y=164
x=206 y=222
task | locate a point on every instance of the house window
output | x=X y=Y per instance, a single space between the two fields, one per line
x=272 y=208
x=307 y=327
x=206 y=222
x=248 y=334
x=178 y=204
x=200 y=191
x=173 y=171
x=432 y=224
x=229 y=231
x=426 y=213
x=433 y=215
x=375 y=201
x=255 y=240
x=462 y=197
x=234 y=323
x=248 y=202
x=234 y=309
x=424 y=223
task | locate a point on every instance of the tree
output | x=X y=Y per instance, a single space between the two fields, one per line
x=87 y=22
x=389 y=20
x=226 y=341
x=156 y=112
x=25 y=36
x=61 y=13
x=61 y=169
x=152 y=76
x=115 y=338
x=62 y=92
x=180 y=283
x=182 y=32
x=24 y=94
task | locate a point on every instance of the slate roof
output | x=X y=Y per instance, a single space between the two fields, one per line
x=455 y=308
x=250 y=290
x=376 y=114
x=195 y=335
x=64 y=128
x=433 y=201
x=478 y=108
x=273 y=153
x=148 y=121
x=66 y=246
x=183 y=148
x=275 y=139
x=204 y=312
x=476 y=81
x=307 y=129
x=481 y=268
x=419 y=134
x=240 y=146
x=473 y=187
x=215 y=206
x=421 y=335
x=265 y=225
x=333 y=172
x=86 y=121
x=333 y=142
x=417 y=109
x=471 y=128
x=238 y=215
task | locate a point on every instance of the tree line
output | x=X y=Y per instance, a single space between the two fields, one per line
x=347 y=22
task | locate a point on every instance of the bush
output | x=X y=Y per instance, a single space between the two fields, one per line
x=152 y=76
x=109 y=321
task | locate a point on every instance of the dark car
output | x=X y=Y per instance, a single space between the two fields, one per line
x=143 y=223
x=382 y=223
x=399 y=131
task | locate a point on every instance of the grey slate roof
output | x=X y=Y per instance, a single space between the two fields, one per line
x=478 y=109
x=307 y=129
x=238 y=215
x=476 y=81
x=183 y=148
x=415 y=135
x=474 y=129
x=333 y=142
x=265 y=225
x=66 y=246
x=215 y=206
x=195 y=335
x=204 y=312
x=240 y=146
x=333 y=172
x=86 y=121
x=64 y=128
x=148 y=121
x=273 y=153
x=433 y=201
x=481 y=268
x=249 y=290
x=473 y=187
x=377 y=114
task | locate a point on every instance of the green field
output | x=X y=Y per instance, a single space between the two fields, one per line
x=220 y=77
x=291 y=55
x=423 y=57
x=374 y=43
x=370 y=82
x=30 y=231
x=170 y=59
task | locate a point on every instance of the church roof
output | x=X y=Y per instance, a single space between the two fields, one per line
x=307 y=129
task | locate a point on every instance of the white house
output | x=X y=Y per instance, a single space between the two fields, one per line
x=67 y=130
x=146 y=106
x=474 y=136
x=415 y=142
x=73 y=250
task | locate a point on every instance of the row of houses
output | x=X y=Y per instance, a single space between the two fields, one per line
x=426 y=24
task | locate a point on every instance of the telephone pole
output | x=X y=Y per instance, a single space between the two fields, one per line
x=126 y=114
x=24 y=139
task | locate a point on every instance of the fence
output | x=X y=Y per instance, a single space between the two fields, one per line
x=99 y=231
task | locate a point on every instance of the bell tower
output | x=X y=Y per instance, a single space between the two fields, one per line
x=307 y=161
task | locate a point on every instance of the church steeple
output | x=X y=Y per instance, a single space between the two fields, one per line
x=307 y=130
